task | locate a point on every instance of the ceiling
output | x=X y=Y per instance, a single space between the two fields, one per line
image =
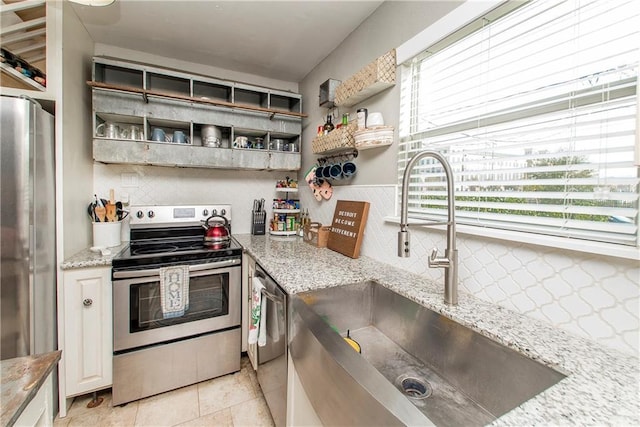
x=282 y=40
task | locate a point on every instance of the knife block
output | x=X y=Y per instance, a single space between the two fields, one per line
x=258 y=222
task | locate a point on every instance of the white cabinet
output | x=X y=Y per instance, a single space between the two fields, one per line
x=39 y=412
x=87 y=322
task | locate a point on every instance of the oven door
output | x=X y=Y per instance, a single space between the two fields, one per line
x=138 y=320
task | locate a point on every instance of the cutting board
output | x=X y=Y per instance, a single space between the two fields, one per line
x=347 y=227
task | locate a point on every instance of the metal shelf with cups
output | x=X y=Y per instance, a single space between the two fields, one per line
x=170 y=118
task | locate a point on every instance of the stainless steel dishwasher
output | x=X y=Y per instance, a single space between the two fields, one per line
x=272 y=357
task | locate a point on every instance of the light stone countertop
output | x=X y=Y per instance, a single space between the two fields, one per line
x=88 y=258
x=602 y=386
x=21 y=379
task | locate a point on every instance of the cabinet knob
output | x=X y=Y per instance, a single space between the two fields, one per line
x=87 y=302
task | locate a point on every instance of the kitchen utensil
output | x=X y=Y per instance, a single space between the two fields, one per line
x=259 y=143
x=276 y=144
x=91 y=211
x=218 y=232
x=110 y=208
x=211 y=136
x=119 y=210
x=348 y=169
x=108 y=130
x=133 y=132
x=335 y=171
x=241 y=142
x=101 y=213
x=180 y=138
x=158 y=135
x=353 y=343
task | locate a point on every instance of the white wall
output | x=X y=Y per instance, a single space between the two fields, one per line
x=74 y=107
x=594 y=296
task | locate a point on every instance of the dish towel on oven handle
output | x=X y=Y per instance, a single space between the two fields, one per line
x=257 y=327
x=174 y=291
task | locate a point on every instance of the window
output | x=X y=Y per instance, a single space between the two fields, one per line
x=536 y=112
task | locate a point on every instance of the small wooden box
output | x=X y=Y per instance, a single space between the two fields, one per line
x=316 y=234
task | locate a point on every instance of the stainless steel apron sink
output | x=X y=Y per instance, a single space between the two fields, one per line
x=416 y=367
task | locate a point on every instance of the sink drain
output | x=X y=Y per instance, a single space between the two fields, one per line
x=414 y=388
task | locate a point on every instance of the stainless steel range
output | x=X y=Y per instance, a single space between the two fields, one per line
x=176 y=302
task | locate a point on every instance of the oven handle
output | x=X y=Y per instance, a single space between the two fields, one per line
x=156 y=271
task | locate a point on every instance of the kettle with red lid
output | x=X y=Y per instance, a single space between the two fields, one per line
x=218 y=232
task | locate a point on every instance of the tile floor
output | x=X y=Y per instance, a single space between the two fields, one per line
x=230 y=400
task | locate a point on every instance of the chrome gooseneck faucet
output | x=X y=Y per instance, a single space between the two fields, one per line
x=450 y=260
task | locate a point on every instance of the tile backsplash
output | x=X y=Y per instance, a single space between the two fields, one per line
x=589 y=295
x=153 y=185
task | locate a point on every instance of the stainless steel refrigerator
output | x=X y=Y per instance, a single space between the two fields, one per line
x=28 y=248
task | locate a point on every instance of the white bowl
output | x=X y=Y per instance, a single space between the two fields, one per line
x=375 y=119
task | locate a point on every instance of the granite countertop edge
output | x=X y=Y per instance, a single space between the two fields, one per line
x=21 y=379
x=601 y=387
x=87 y=258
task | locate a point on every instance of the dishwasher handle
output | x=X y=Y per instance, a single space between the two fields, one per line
x=273 y=297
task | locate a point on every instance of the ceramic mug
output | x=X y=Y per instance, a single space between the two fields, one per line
x=326 y=171
x=180 y=138
x=335 y=171
x=348 y=169
x=158 y=135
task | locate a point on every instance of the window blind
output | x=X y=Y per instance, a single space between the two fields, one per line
x=536 y=112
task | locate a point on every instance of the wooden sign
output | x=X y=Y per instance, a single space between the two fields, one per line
x=347 y=227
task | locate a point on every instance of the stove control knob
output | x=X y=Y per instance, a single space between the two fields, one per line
x=140 y=214
x=214 y=212
x=205 y=212
x=223 y=212
x=151 y=214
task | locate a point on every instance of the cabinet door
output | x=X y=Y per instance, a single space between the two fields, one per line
x=88 y=344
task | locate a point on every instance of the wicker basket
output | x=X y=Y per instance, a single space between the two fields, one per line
x=375 y=77
x=373 y=137
x=338 y=139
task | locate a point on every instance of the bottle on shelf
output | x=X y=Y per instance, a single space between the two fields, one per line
x=328 y=126
x=345 y=119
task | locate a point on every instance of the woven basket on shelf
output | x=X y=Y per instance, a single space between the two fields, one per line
x=378 y=136
x=376 y=76
x=335 y=140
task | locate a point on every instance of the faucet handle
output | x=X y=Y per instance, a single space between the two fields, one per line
x=434 y=254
